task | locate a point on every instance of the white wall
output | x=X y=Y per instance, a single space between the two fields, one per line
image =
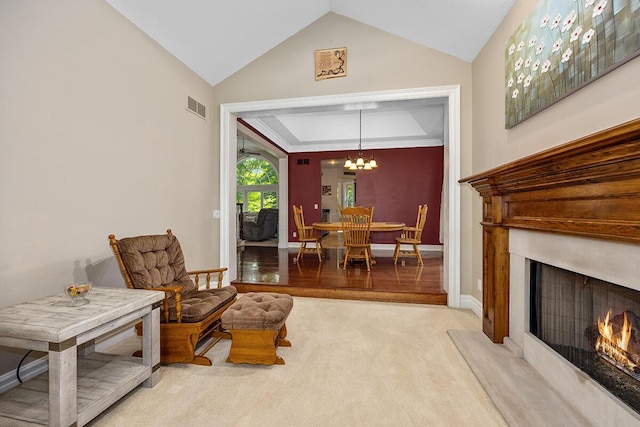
x=606 y=102
x=377 y=61
x=95 y=140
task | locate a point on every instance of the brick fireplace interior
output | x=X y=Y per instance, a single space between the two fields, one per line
x=576 y=210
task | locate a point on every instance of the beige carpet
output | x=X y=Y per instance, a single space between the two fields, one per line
x=353 y=363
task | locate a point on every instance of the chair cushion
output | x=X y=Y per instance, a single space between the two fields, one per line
x=154 y=261
x=258 y=310
x=200 y=304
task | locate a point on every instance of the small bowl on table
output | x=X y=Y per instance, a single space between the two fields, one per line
x=78 y=292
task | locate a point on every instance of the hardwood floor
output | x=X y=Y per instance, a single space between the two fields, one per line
x=264 y=269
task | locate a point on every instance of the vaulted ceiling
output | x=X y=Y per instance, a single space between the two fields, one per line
x=215 y=39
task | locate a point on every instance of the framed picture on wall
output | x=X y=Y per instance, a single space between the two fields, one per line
x=331 y=63
x=562 y=46
x=326 y=190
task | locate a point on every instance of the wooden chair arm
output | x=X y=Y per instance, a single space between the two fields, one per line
x=208 y=272
x=177 y=291
x=410 y=232
x=307 y=232
x=175 y=288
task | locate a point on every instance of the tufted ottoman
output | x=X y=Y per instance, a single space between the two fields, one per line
x=256 y=323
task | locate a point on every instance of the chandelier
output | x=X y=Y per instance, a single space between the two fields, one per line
x=360 y=162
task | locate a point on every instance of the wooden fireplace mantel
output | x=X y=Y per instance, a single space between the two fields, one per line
x=589 y=187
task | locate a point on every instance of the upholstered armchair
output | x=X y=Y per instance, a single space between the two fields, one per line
x=191 y=310
x=265 y=227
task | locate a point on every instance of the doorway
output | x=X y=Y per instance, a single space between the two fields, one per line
x=338 y=189
x=228 y=126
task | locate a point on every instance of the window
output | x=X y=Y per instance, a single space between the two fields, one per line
x=348 y=194
x=257 y=184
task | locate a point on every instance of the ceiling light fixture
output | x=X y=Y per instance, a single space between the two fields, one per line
x=360 y=163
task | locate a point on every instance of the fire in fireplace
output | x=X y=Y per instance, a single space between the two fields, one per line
x=592 y=323
x=615 y=345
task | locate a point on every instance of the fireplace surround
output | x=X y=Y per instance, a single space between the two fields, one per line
x=577 y=207
x=608 y=260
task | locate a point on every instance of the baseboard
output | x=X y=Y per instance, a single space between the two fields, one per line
x=111 y=340
x=467 y=301
x=41 y=365
x=28 y=371
x=386 y=247
x=392 y=247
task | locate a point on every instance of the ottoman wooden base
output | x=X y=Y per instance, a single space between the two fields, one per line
x=256 y=323
x=257 y=347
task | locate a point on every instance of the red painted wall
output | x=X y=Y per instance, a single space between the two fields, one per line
x=406 y=178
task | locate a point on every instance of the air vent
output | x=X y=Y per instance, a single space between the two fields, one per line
x=303 y=161
x=196 y=108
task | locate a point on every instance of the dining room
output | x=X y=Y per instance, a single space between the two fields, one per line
x=405 y=179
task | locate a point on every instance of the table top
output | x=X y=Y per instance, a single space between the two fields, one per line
x=53 y=319
x=375 y=226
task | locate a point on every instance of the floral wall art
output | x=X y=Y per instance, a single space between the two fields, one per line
x=564 y=45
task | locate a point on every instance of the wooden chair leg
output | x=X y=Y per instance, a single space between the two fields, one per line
x=415 y=248
x=319 y=250
x=366 y=258
x=346 y=258
x=396 y=253
x=303 y=245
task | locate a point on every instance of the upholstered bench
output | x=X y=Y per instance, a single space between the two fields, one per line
x=256 y=323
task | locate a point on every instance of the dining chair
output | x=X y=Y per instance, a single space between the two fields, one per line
x=306 y=234
x=412 y=236
x=356 y=230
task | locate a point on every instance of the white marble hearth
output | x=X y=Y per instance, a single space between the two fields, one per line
x=521 y=394
x=606 y=260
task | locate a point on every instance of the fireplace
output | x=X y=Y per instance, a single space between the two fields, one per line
x=575 y=207
x=601 y=262
x=589 y=187
x=592 y=323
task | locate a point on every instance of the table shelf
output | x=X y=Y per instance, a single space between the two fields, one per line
x=102 y=380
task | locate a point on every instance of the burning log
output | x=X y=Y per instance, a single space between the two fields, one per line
x=618 y=341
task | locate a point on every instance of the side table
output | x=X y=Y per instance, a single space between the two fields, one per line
x=80 y=383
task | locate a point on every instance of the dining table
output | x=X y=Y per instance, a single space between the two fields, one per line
x=375 y=226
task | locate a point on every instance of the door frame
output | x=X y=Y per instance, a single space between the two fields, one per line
x=228 y=158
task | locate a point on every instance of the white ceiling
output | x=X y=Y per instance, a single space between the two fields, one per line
x=397 y=124
x=204 y=35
